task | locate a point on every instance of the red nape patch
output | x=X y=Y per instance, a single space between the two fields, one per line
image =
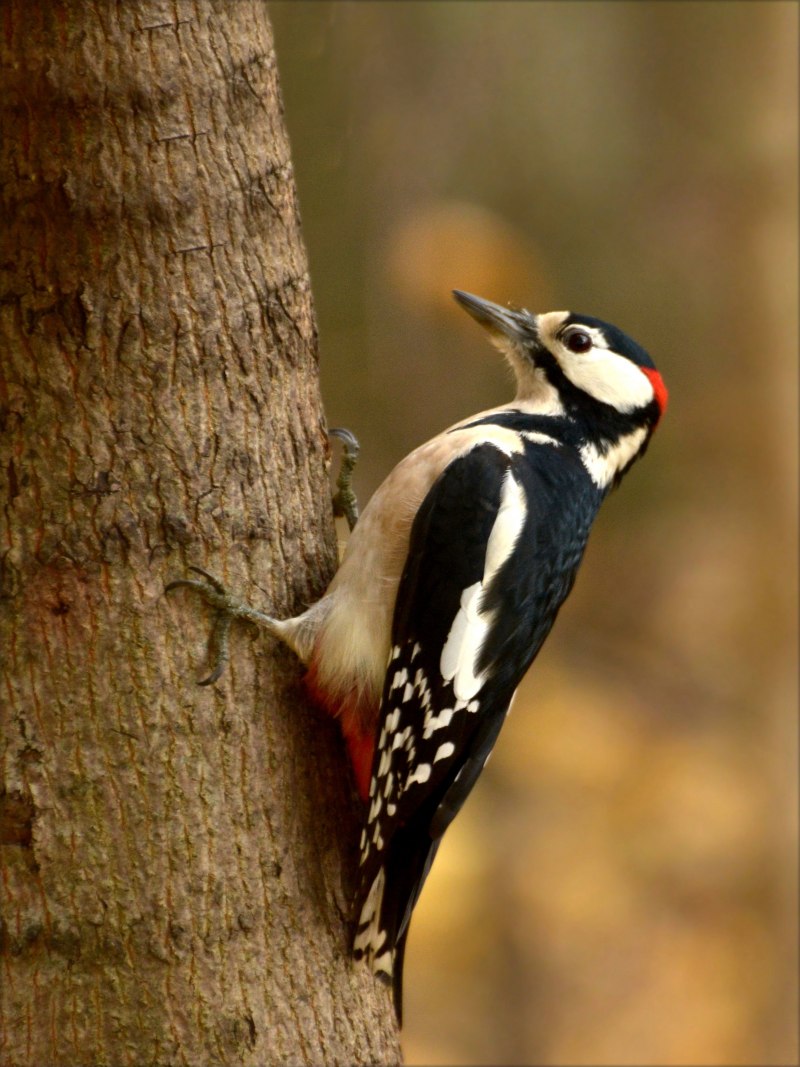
x=659 y=389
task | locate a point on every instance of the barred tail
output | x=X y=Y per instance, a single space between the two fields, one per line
x=386 y=904
x=372 y=939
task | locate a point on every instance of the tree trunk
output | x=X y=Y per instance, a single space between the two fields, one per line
x=176 y=861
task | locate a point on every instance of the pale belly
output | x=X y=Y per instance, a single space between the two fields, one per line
x=353 y=621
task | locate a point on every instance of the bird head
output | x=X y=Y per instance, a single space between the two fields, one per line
x=574 y=364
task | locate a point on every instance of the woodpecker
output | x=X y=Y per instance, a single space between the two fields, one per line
x=449 y=585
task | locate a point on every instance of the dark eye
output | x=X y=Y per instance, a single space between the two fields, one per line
x=577 y=341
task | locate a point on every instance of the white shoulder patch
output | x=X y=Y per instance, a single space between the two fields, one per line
x=507 y=527
x=468 y=632
x=463 y=645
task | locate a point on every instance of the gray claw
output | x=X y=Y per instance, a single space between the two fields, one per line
x=345 y=502
x=348 y=439
x=218 y=645
x=227 y=609
x=217 y=584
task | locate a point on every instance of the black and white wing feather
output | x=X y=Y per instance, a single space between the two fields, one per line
x=482 y=584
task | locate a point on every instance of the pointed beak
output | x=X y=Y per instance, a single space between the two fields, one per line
x=517 y=326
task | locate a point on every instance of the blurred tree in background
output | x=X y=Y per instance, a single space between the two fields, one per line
x=622 y=887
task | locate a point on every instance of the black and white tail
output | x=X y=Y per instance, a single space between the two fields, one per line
x=384 y=908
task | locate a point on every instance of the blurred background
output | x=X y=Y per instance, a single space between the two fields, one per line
x=621 y=888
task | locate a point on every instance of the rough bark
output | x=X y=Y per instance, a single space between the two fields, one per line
x=176 y=861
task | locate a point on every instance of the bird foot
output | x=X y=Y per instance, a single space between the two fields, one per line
x=227 y=608
x=345 y=502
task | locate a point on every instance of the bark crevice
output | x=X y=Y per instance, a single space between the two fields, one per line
x=172 y=857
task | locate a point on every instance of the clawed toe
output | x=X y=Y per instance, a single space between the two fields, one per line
x=227 y=608
x=212 y=590
x=345 y=503
x=214 y=593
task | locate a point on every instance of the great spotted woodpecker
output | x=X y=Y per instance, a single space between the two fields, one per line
x=450 y=583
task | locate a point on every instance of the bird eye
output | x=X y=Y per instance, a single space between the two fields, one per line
x=577 y=341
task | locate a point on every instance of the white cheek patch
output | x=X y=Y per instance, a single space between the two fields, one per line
x=462 y=649
x=609 y=378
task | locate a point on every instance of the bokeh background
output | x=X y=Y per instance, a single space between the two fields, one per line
x=621 y=888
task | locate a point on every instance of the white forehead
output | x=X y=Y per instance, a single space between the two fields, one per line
x=550 y=323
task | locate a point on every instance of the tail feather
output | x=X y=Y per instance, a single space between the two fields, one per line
x=372 y=935
x=397 y=976
x=386 y=904
x=374 y=941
